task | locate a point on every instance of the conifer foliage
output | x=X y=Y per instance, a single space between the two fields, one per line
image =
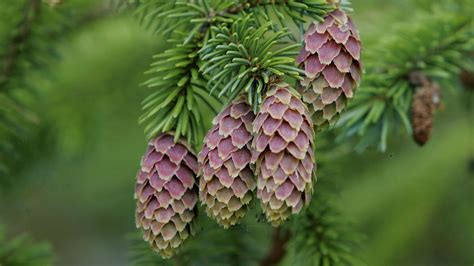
x=16 y=56
x=238 y=103
x=322 y=236
x=23 y=250
x=29 y=30
x=383 y=104
x=226 y=50
x=267 y=89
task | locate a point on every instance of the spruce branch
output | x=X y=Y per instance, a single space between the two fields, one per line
x=31 y=11
x=212 y=36
x=211 y=246
x=242 y=59
x=16 y=121
x=22 y=250
x=321 y=235
x=254 y=62
x=297 y=11
x=180 y=91
x=29 y=40
x=383 y=102
x=166 y=17
x=196 y=17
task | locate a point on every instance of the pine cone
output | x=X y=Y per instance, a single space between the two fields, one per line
x=331 y=61
x=283 y=152
x=227 y=182
x=425 y=102
x=166 y=194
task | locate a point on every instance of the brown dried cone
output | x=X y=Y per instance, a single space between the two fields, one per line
x=330 y=58
x=166 y=194
x=283 y=153
x=227 y=181
x=425 y=102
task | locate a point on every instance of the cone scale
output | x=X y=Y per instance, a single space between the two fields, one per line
x=226 y=179
x=330 y=58
x=166 y=195
x=283 y=154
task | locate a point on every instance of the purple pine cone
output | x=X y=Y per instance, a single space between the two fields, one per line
x=227 y=181
x=331 y=61
x=283 y=153
x=166 y=194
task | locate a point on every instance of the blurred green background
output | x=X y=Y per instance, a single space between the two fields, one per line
x=416 y=205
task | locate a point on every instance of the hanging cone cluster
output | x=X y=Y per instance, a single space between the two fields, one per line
x=425 y=102
x=227 y=181
x=166 y=194
x=283 y=153
x=331 y=61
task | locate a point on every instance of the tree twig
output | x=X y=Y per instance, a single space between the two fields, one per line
x=278 y=249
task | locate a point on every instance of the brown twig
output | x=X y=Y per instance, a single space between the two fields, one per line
x=467 y=79
x=278 y=249
x=32 y=10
